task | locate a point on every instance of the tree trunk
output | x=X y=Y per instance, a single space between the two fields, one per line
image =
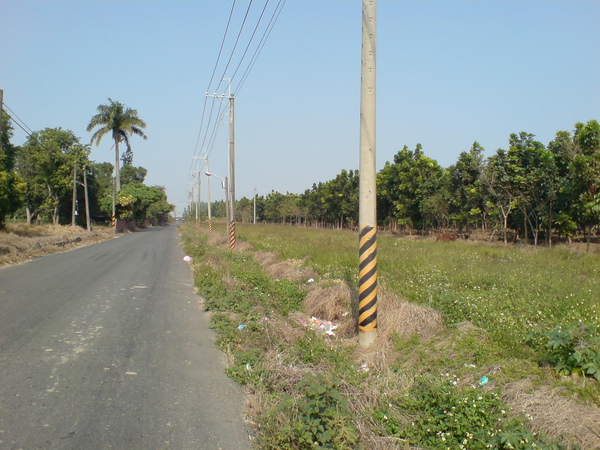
x=588 y=237
x=504 y=226
x=117 y=170
x=55 y=216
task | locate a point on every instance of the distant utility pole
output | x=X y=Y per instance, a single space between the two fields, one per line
x=231 y=185
x=198 y=200
x=1 y=109
x=87 y=201
x=367 y=287
x=74 y=211
x=254 y=206
x=208 y=197
x=199 y=189
x=231 y=173
x=227 y=203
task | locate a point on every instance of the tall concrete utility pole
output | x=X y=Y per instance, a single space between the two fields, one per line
x=74 y=210
x=87 y=201
x=114 y=204
x=367 y=287
x=231 y=185
x=254 y=206
x=231 y=173
x=227 y=203
x=1 y=110
x=198 y=200
x=208 y=197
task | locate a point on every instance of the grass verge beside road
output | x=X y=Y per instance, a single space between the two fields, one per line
x=461 y=360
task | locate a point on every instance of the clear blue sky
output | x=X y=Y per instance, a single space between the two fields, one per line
x=449 y=73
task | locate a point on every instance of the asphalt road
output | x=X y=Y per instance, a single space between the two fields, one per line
x=107 y=346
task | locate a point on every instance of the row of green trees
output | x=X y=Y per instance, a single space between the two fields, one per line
x=41 y=179
x=529 y=191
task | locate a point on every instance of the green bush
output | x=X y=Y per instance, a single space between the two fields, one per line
x=314 y=416
x=574 y=349
x=324 y=420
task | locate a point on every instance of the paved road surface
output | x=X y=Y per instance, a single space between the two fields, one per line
x=106 y=347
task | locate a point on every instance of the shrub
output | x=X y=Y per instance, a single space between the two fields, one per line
x=324 y=420
x=574 y=349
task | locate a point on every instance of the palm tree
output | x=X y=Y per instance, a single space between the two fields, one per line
x=122 y=122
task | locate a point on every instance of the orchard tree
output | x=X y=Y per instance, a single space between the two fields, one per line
x=533 y=181
x=585 y=176
x=11 y=185
x=496 y=181
x=341 y=199
x=464 y=187
x=130 y=174
x=273 y=206
x=219 y=208
x=139 y=203
x=245 y=210
x=314 y=202
x=46 y=163
x=404 y=185
x=289 y=209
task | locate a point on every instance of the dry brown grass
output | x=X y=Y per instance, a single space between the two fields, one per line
x=293 y=270
x=329 y=300
x=398 y=318
x=218 y=240
x=20 y=243
x=553 y=413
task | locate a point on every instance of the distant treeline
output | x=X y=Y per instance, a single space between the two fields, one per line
x=529 y=191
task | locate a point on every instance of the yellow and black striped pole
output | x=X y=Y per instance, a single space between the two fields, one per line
x=114 y=222
x=231 y=235
x=231 y=173
x=367 y=289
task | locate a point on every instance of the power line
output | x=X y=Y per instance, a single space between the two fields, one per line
x=211 y=117
x=222 y=44
x=236 y=41
x=262 y=43
x=213 y=76
x=249 y=42
x=14 y=116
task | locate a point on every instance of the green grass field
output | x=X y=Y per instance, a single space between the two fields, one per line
x=508 y=291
